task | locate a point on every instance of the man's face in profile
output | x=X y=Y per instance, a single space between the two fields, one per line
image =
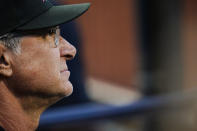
x=33 y=55
x=40 y=69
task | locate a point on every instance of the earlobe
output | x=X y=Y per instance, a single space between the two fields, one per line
x=5 y=63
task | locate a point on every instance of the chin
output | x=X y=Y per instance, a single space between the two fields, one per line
x=66 y=89
x=69 y=90
x=60 y=93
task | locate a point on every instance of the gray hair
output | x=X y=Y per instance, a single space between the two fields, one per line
x=12 y=43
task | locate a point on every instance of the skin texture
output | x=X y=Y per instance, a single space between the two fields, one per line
x=33 y=80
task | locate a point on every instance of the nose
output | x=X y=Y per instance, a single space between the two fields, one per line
x=66 y=49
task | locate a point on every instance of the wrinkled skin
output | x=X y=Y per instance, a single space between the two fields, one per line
x=33 y=80
x=40 y=68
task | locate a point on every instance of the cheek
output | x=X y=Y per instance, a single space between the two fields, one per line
x=44 y=64
x=39 y=72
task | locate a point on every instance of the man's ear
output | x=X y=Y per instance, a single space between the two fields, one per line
x=5 y=62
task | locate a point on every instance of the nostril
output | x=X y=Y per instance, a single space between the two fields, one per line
x=3 y=61
x=69 y=57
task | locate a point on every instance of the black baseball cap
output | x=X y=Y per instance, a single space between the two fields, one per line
x=36 y=14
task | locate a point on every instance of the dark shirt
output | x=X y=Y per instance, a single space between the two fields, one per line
x=1 y=129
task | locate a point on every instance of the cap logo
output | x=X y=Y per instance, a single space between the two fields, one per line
x=44 y=1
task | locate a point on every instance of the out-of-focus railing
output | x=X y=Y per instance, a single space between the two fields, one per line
x=92 y=112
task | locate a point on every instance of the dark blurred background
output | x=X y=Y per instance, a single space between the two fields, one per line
x=128 y=51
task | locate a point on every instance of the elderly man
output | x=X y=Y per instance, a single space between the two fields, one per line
x=33 y=71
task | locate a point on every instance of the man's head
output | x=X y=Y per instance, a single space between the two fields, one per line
x=33 y=55
x=39 y=68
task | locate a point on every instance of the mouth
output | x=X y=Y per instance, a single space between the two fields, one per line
x=64 y=70
x=65 y=73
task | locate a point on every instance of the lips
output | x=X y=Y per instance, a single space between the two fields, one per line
x=63 y=70
x=65 y=74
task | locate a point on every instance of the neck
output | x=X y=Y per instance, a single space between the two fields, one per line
x=17 y=114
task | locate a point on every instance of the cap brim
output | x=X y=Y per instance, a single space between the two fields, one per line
x=56 y=15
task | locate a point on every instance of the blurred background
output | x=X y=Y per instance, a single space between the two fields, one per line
x=135 y=69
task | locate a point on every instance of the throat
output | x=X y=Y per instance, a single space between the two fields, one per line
x=13 y=117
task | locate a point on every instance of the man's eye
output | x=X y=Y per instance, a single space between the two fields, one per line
x=52 y=31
